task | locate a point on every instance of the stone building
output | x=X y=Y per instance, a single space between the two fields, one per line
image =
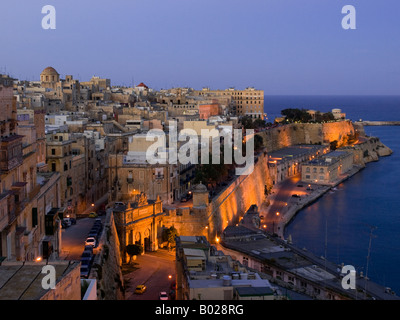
x=204 y=273
x=130 y=173
x=247 y=102
x=286 y=162
x=49 y=78
x=139 y=222
x=328 y=168
x=23 y=281
x=26 y=197
x=71 y=167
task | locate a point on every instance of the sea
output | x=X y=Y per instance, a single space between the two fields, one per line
x=357 y=224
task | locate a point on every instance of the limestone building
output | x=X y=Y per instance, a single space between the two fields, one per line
x=26 y=196
x=139 y=222
x=327 y=169
x=247 y=102
x=130 y=173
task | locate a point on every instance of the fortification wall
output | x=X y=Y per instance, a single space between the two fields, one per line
x=107 y=265
x=231 y=204
x=306 y=133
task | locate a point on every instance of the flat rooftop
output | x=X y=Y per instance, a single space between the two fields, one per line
x=23 y=281
x=293 y=152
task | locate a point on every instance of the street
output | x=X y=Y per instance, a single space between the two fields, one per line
x=280 y=200
x=73 y=238
x=153 y=270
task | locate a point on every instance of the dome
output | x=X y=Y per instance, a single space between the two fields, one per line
x=50 y=71
x=200 y=188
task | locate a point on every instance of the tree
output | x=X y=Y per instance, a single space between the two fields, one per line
x=259 y=123
x=169 y=235
x=258 y=142
x=247 y=122
x=293 y=115
x=133 y=250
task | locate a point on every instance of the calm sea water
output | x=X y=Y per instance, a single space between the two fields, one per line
x=339 y=223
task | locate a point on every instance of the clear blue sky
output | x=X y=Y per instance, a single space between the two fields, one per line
x=280 y=46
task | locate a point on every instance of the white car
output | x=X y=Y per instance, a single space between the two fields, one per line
x=90 y=241
x=163 y=296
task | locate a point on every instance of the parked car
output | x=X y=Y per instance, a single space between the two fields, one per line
x=87 y=257
x=85 y=270
x=88 y=248
x=64 y=225
x=140 y=289
x=118 y=204
x=184 y=199
x=295 y=195
x=163 y=295
x=73 y=221
x=90 y=241
x=93 y=235
x=67 y=221
x=86 y=261
x=93 y=215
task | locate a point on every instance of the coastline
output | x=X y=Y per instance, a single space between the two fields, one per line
x=288 y=216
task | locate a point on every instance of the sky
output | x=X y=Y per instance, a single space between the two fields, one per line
x=284 y=47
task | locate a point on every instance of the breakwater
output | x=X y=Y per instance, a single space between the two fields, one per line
x=379 y=123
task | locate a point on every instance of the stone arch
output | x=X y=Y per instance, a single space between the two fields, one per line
x=138 y=238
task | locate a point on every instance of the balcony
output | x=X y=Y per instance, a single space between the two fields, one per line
x=11 y=155
x=129 y=180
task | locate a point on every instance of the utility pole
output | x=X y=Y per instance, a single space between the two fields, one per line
x=372 y=228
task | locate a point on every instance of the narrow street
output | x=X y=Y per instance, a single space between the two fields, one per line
x=153 y=270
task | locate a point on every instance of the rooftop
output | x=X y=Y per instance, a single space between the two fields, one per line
x=23 y=281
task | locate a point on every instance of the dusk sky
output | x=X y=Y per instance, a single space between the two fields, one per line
x=291 y=47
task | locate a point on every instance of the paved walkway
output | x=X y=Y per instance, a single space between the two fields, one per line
x=283 y=206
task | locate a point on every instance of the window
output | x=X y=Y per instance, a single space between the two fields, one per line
x=53 y=166
x=315 y=170
x=53 y=151
x=308 y=170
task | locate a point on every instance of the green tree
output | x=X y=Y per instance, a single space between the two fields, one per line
x=133 y=250
x=293 y=115
x=169 y=235
x=258 y=142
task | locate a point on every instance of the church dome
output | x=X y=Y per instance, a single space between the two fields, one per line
x=49 y=71
x=49 y=76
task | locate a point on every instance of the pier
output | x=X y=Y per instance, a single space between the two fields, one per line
x=379 y=123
